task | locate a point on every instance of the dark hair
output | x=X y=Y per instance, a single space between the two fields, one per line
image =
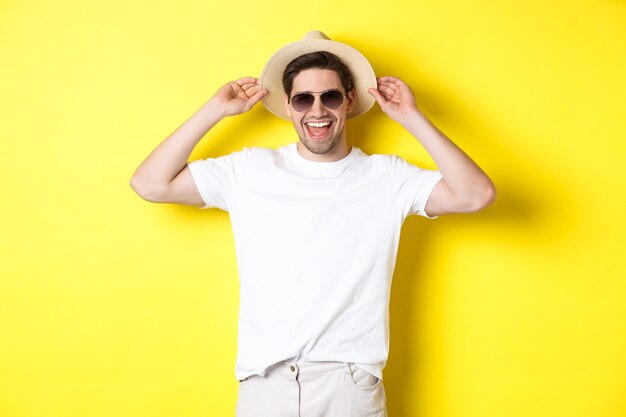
x=321 y=60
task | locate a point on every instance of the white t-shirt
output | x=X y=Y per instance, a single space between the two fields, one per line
x=316 y=246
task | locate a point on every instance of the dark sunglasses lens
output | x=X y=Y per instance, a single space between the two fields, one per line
x=302 y=102
x=332 y=99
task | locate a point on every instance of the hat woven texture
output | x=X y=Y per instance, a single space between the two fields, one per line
x=272 y=76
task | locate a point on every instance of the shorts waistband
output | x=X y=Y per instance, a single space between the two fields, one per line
x=292 y=368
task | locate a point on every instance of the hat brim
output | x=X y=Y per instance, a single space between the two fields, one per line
x=271 y=78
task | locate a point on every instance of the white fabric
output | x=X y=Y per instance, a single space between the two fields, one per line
x=316 y=245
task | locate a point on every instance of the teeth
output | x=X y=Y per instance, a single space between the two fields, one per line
x=318 y=124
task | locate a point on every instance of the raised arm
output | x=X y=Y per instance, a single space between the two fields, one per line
x=164 y=176
x=464 y=187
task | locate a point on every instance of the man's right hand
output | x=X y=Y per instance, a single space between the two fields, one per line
x=164 y=177
x=239 y=96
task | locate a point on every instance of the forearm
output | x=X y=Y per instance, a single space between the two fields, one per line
x=171 y=156
x=466 y=180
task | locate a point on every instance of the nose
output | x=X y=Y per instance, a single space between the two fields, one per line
x=318 y=108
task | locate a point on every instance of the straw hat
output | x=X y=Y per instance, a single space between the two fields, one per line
x=272 y=76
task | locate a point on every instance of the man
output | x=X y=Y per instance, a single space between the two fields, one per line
x=316 y=224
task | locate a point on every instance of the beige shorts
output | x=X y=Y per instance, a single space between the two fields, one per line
x=312 y=389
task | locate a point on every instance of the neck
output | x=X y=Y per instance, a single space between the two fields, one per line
x=337 y=153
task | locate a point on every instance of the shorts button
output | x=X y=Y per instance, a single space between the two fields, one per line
x=293 y=368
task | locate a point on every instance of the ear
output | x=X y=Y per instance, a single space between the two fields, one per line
x=287 y=105
x=351 y=97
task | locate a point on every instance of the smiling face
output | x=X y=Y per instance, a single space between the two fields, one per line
x=321 y=130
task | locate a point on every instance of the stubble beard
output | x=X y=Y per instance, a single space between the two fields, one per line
x=320 y=147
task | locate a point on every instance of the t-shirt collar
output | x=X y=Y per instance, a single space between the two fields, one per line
x=325 y=166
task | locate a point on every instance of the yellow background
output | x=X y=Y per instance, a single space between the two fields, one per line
x=112 y=306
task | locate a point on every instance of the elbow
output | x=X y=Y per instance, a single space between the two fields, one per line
x=139 y=188
x=483 y=198
x=145 y=190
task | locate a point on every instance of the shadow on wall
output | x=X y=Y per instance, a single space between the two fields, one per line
x=514 y=214
x=517 y=216
x=527 y=214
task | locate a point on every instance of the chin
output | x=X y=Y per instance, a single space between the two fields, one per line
x=320 y=148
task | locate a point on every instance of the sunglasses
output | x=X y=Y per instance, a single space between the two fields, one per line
x=331 y=99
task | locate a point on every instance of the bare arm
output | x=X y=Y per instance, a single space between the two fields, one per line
x=464 y=187
x=164 y=177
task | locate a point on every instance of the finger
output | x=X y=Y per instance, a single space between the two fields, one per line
x=255 y=98
x=386 y=82
x=390 y=80
x=251 y=90
x=389 y=89
x=236 y=88
x=246 y=80
x=379 y=98
x=245 y=86
x=388 y=92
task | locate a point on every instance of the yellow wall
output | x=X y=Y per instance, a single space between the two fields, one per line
x=112 y=306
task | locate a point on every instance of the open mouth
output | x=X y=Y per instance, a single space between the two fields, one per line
x=318 y=129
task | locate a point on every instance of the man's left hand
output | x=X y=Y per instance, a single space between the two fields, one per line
x=395 y=98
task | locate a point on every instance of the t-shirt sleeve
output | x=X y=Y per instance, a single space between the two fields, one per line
x=216 y=179
x=414 y=186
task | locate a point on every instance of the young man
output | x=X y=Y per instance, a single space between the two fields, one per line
x=316 y=224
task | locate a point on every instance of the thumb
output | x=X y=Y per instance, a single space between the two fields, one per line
x=256 y=97
x=379 y=98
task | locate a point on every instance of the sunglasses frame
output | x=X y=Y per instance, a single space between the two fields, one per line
x=318 y=93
